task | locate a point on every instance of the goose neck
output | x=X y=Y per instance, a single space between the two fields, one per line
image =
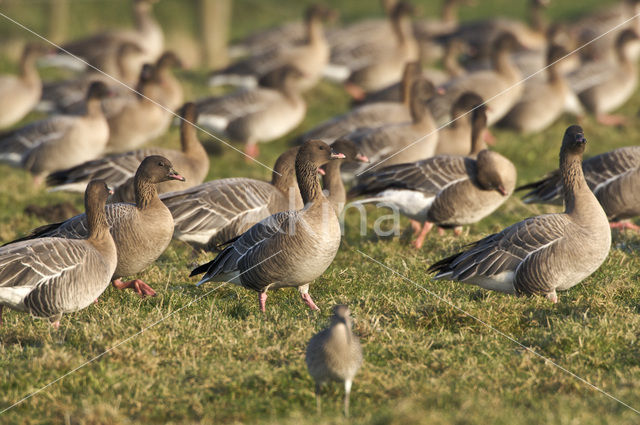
x=28 y=71
x=94 y=107
x=307 y=176
x=315 y=31
x=96 y=221
x=574 y=183
x=146 y=193
x=537 y=20
x=333 y=182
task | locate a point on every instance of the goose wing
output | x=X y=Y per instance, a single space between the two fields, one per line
x=15 y=145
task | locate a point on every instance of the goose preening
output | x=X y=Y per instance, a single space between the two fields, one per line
x=332 y=178
x=50 y=276
x=613 y=177
x=61 y=141
x=445 y=190
x=119 y=170
x=141 y=231
x=257 y=115
x=541 y=254
x=19 y=94
x=290 y=248
x=310 y=56
x=335 y=354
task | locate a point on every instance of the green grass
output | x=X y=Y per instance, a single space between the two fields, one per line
x=219 y=360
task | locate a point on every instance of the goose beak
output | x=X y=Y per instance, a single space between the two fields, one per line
x=362 y=158
x=502 y=190
x=581 y=139
x=335 y=155
x=110 y=190
x=173 y=175
x=321 y=171
x=441 y=91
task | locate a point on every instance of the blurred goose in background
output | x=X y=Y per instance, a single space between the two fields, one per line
x=290 y=248
x=51 y=276
x=542 y=254
x=605 y=91
x=368 y=115
x=171 y=94
x=61 y=141
x=119 y=170
x=613 y=177
x=257 y=115
x=446 y=190
x=398 y=143
x=469 y=123
x=141 y=231
x=332 y=179
x=543 y=102
x=335 y=354
x=499 y=87
x=19 y=94
x=310 y=56
x=214 y=212
x=99 y=49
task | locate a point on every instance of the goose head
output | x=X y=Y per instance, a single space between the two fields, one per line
x=350 y=151
x=626 y=44
x=573 y=142
x=286 y=78
x=495 y=172
x=158 y=169
x=169 y=60
x=341 y=314
x=320 y=13
x=98 y=90
x=316 y=153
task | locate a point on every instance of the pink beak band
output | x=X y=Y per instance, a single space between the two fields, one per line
x=337 y=155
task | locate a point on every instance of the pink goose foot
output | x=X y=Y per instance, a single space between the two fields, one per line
x=611 y=120
x=252 y=150
x=489 y=138
x=415 y=226
x=355 y=91
x=457 y=230
x=137 y=285
x=622 y=225
x=308 y=301
x=423 y=233
x=553 y=297
x=262 y=300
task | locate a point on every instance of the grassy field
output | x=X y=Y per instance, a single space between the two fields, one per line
x=209 y=356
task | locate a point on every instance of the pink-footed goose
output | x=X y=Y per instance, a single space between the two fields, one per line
x=141 y=231
x=446 y=190
x=51 y=276
x=119 y=170
x=288 y=249
x=613 y=177
x=257 y=115
x=543 y=254
x=335 y=354
x=61 y=141
x=19 y=94
x=209 y=214
x=469 y=120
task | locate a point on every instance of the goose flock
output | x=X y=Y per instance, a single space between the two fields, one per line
x=417 y=140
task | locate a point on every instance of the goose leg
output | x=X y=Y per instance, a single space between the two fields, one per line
x=423 y=233
x=318 y=401
x=457 y=230
x=355 y=91
x=488 y=137
x=415 y=226
x=55 y=321
x=252 y=150
x=552 y=296
x=262 y=301
x=347 y=392
x=613 y=120
x=304 y=293
x=621 y=225
x=137 y=285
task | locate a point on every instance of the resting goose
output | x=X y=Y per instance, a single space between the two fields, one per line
x=290 y=248
x=499 y=87
x=141 y=231
x=469 y=122
x=19 y=94
x=542 y=254
x=214 y=212
x=613 y=177
x=332 y=179
x=51 y=276
x=257 y=115
x=543 y=102
x=119 y=170
x=310 y=56
x=368 y=115
x=335 y=354
x=445 y=190
x=61 y=141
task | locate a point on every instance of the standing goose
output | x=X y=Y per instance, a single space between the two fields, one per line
x=335 y=354
x=445 y=190
x=288 y=249
x=332 y=179
x=119 y=170
x=543 y=101
x=171 y=94
x=217 y=211
x=141 y=231
x=542 y=254
x=310 y=56
x=260 y=114
x=61 y=141
x=19 y=94
x=613 y=177
x=50 y=276
x=469 y=119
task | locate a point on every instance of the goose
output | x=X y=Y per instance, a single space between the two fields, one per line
x=542 y=102
x=612 y=177
x=332 y=180
x=98 y=49
x=447 y=190
x=500 y=86
x=119 y=170
x=257 y=115
x=290 y=248
x=209 y=214
x=386 y=65
x=367 y=115
x=171 y=94
x=141 y=231
x=51 y=276
x=398 y=143
x=611 y=89
x=543 y=254
x=469 y=121
x=335 y=354
x=310 y=56
x=19 y=94
x=59 y=142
